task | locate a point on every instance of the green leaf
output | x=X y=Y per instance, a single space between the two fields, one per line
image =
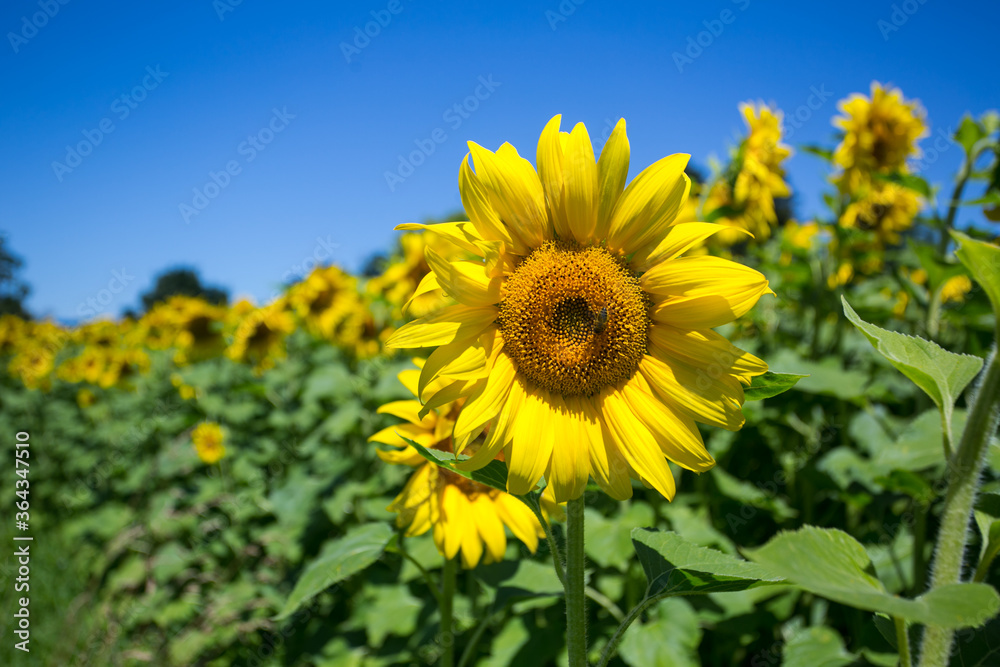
x=816 y=647
x=943 y=375
x=983 y=261
x=908 y=181
x=668 y=638
x=770 y=384
x=818 y=151
x=494 y=474
x=832 y=564
x=340 y=559
x=968 y=133
x=674 y=566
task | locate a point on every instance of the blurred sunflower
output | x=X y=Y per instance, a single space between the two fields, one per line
x=955 y=289
x=880 y=134
x=197 y=327
x=583 y=320
x=209 y=442
x=885 y=208
x=466 y=517
x=747 y=199
x=324 y=299
x=259 y=333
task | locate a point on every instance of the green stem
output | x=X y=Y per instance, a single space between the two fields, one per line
x=984 y=564
x=903 y=641
x=448 y=577
x=956 y=196
x=612 y=646
x=576 y=605
x=557 y=562
x=964 y=472
x=431 y=585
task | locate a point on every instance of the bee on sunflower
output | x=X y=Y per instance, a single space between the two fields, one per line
x=465 y=517
x=561 y=389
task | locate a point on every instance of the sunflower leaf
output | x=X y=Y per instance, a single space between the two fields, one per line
x=818 y=151
x=832 y=564
x=493 y=475
x=770 y=384
x=943 y=375
x=983 y=261
x=908 y=181
x=674 y=566
x=340 y=559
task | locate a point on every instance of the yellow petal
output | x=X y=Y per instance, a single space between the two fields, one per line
x=464 y=281
x=490 y=527
x=449 y=391
x=515 y=192
x=500 y=433
x=462 y=234
x=708 y=400
x=570 y=465
x=487 y=402
x=612 y=173
x=476 y=200
x=580 y=183
x=393 y=435
x=408 y=410
x=461 y=360
x=680 y=238
x=428 y=284
x=532 y=446
x=705 y=349
x=649 y=205
x=519 y=519
x=607 y=465
x=453 y=520
x=676 y=433
x=637 y=444
x=549 y=158
x=443 y=327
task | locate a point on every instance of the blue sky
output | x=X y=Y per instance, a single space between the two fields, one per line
x=266 y=91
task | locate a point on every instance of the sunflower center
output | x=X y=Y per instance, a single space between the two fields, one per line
x=574 y=319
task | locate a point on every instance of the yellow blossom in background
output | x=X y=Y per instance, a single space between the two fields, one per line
x=759 y=180
x=465 y=517
x=955 y=289
x=209 y=442
x=184 y=390
x=259 y=335
x=582 y=334
x=880 y=134
x=198 y=326
x=886 y=208
x=85 y=398
x=842 y=276
x=324 y=299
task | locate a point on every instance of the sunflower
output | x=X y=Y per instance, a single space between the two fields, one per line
x=407 y=282
x=209 y=441
x=324 y=299
x=880 y=133
x=582 y=338
x=760 y=178
x=259 y=336
x=885 y=208
x=955 y=289
x=466 y=517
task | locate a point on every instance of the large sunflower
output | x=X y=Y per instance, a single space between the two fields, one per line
x=582 y=338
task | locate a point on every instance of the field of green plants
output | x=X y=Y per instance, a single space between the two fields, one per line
x=237 y=484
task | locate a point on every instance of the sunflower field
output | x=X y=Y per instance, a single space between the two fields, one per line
x=586 y=421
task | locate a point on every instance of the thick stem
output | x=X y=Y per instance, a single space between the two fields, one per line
x=903 y=642
x=964 y=474
x=448 y=577
x=576 y=601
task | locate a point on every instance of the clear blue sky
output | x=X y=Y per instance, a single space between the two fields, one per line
x=322 y=176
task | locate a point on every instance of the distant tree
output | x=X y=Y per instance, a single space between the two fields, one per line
x=13 y=292
x=181 y=282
